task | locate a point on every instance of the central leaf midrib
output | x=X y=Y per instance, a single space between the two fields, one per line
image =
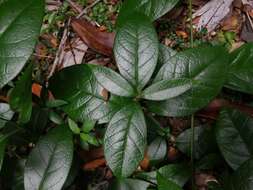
x=49 y=164
x=136 y=65
x=125 y=141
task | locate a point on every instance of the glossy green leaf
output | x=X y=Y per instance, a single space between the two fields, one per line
x=55 y=103
x=125 y=141
x=88 y=125
x=55 y=118
x=242 y=178
x=151 y=8
x=73 y=126
x=165 y=54
x=240 y=72
x=50 y=161
x=6 y=114
x=113 y=82
x=78 y=87
x=20 y=22
x=204 y=141
x=206 y=66
x=21 y=96
x=234 y=136
x=89 y=139
x=157 y=150
x=129 y=184
x=165 y=184
x=136 y=51
x=166 y=89
x=177 y=173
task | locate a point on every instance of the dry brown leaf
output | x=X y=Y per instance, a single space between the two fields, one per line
x=231 y=23
x=182 y=34
x=145 y=163
x=90 y=166
x=213 y=13
x=73 y=54
x=102 y=42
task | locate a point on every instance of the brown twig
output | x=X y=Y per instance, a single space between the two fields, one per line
x=84 y=11
x=60 y=49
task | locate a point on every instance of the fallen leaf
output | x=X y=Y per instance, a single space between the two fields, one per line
x=182 y=34
x=72 y=54
x=213 y=109
x=212 y=13
x=53 y=5
x=247 y=29
x=102 y=42
x=36 y=90
x=231 y=23
x=91 y=166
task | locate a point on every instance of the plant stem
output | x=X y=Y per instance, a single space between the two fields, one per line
x=192 y=150
x=192 y=117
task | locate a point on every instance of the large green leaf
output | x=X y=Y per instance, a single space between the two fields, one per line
x=177 y=173
x=50 y=161
x=129 y=184
x=21 y=96
x=151 y=8
x=165 y=54
x=112 y=81
x=125 y=140
x=165 y=184
x=242 y=178
x=234 y=134
x=136 y=51
x=241 y=69
x=206 y=67
x=166 y=89
x=78 y=87
x=20 y=22
x=204 y=141
x=5 y=114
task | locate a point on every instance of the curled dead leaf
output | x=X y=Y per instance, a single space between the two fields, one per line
x=102 y=42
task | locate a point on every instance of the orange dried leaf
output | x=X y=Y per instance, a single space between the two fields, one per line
x=90 y=166
x=102 y=42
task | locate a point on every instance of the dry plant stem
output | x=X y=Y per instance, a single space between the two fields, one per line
x=74 y=6
x=250 y=20
x=87 y=8
x=60 y=49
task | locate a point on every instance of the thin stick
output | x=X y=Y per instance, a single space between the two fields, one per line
x=74 y=6
x=61 y=47
x=87 y=8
